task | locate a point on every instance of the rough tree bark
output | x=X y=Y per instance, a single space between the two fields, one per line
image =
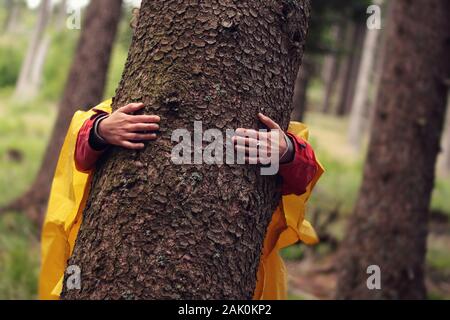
x=84 y=89
x=389 y=224
x=379 y=62
x=24 y=87
x=359 y=107
x=155 y=230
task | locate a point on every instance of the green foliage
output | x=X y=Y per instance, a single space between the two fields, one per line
x=338 y=187
x=439 y=259
x=441 y=195
x=24 y=131
x=10 y=62
x=326 y=14
x=295 y=252
x=19 y=258
x=58 y=62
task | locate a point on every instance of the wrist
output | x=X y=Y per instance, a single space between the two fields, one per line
x=99 y=128
x=96 y=138
x=289 y=153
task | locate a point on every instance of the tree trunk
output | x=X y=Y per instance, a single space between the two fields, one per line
x=84 y=89
x=379 y=63
x=24 y=88
x=355 y=57
x=37 y=69
x=345 y=67
x=332 y=68
x=155 y=230
x=12 y=16
x=389 y=224
x=300 y=99
x=359 y=107
x=61 y=16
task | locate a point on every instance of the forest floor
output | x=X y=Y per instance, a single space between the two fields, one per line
x=24 y=132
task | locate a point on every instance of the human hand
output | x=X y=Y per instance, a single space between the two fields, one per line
x=251 y=142
x=129 y=131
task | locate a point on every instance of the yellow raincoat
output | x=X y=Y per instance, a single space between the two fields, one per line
x=68 y=198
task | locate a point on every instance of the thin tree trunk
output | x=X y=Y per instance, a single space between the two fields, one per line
x=24 y=87
x=84 y=89
x=345 y=69
x=389 y=225
x=12 y=16
x=198 y=228
x=37 y=69
x=356 y=56
x=61 y=16
x=330 y=76
x=300 y=99
x=359 y=110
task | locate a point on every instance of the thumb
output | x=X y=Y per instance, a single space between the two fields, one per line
x=272 y=125
x=131 y=108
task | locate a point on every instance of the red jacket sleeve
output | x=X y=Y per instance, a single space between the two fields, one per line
x=85 y=155
x=299 y=173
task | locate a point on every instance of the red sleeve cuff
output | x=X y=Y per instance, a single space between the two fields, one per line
x=299 y=173
x=85 y=155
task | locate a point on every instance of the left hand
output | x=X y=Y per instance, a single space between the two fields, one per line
x=252 y=141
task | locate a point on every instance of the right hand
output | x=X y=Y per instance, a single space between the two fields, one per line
x=126 y=130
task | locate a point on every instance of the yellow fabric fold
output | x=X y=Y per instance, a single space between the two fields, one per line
x=67 y=201
x=66 y=196
x=288 y=226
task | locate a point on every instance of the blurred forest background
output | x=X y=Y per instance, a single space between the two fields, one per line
x=335 y=95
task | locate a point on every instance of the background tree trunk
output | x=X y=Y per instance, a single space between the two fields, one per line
x=198 y=228
x=345 y=105
x=379 y=62
x=37 y=69
x=300 y=99
x=84 y=89
x=12 y=16
x=389 y=224
x=359 y=107
x=24 y=87
x=352 y=45
x=331 y=65
x=61 y=16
